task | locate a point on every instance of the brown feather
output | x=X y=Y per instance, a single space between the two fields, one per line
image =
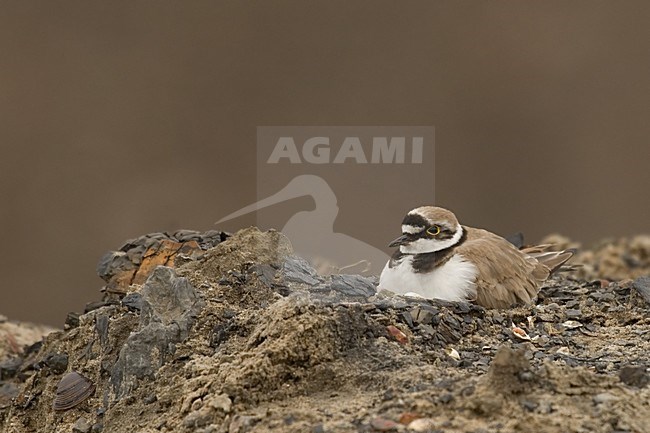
x=499 y=285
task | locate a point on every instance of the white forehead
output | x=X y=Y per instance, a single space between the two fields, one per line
x=407 y=228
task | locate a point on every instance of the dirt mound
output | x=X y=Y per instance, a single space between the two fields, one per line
x=235 y=334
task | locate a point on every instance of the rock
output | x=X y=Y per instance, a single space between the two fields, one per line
x=298 y=270
x=92 y=306
x=242 y=423
x=169 y=300
x=407 y=417
x=72 y=320
x=423 y=425
x=187 y=235
x=353 y=285
x=423 y=314
x=573 y=314
x=265 y=273
x=169 y=308
x=101 y=326
x=57 y=362
x=8 y=391
x=397 y=334
x=113 y=263
x=642 y=285
x=9 y=367
x=383 y=424
x=220 y=403
x=162 y=253
x=133 y=301
x=81 y=426
x=604 y=397
x=530 y=406
x=634 y=376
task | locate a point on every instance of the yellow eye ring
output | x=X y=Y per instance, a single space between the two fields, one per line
x=433 y=230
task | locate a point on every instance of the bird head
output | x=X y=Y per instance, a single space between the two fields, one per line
x=428 y=229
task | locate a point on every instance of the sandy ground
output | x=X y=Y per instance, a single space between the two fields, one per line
x=244 y=337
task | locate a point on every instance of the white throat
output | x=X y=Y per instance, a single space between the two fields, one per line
x=432 y=245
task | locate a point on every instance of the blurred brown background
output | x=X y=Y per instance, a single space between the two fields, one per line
x=123 y=118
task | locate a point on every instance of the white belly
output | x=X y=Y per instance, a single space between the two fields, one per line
x=453 y=281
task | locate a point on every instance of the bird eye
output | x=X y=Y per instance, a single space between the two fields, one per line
x=433 y=230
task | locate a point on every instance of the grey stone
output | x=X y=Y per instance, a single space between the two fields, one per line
x=81 y=425
x=265 y=273
x=298 y=270
x=101 y=326
x=242 y=423
x=72 y=320
x=9 y=367
x=187 y=235
x=113 y=262
x=92 y=306
x=169 y=308
x=642 y=285
x=135 y=254
x=423 y=314
x=573 y=314
x=353 y=285
x=133 y=301
x=57 y=362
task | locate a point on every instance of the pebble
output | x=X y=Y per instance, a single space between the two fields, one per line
x=573 y=314
x=133 y=301
x=604 y=397
x=423 y=314
x=9 y=367
x=242 y=423
x=634 y=376
x=397 y=334
x=383 y=424
x=81 y=426
x=57 y=362
x=407 y=417
x=423 y=425
x=530 y=406
x=72 y=320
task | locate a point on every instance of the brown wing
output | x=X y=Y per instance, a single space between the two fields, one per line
x=551 y=258
x=506 y=276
